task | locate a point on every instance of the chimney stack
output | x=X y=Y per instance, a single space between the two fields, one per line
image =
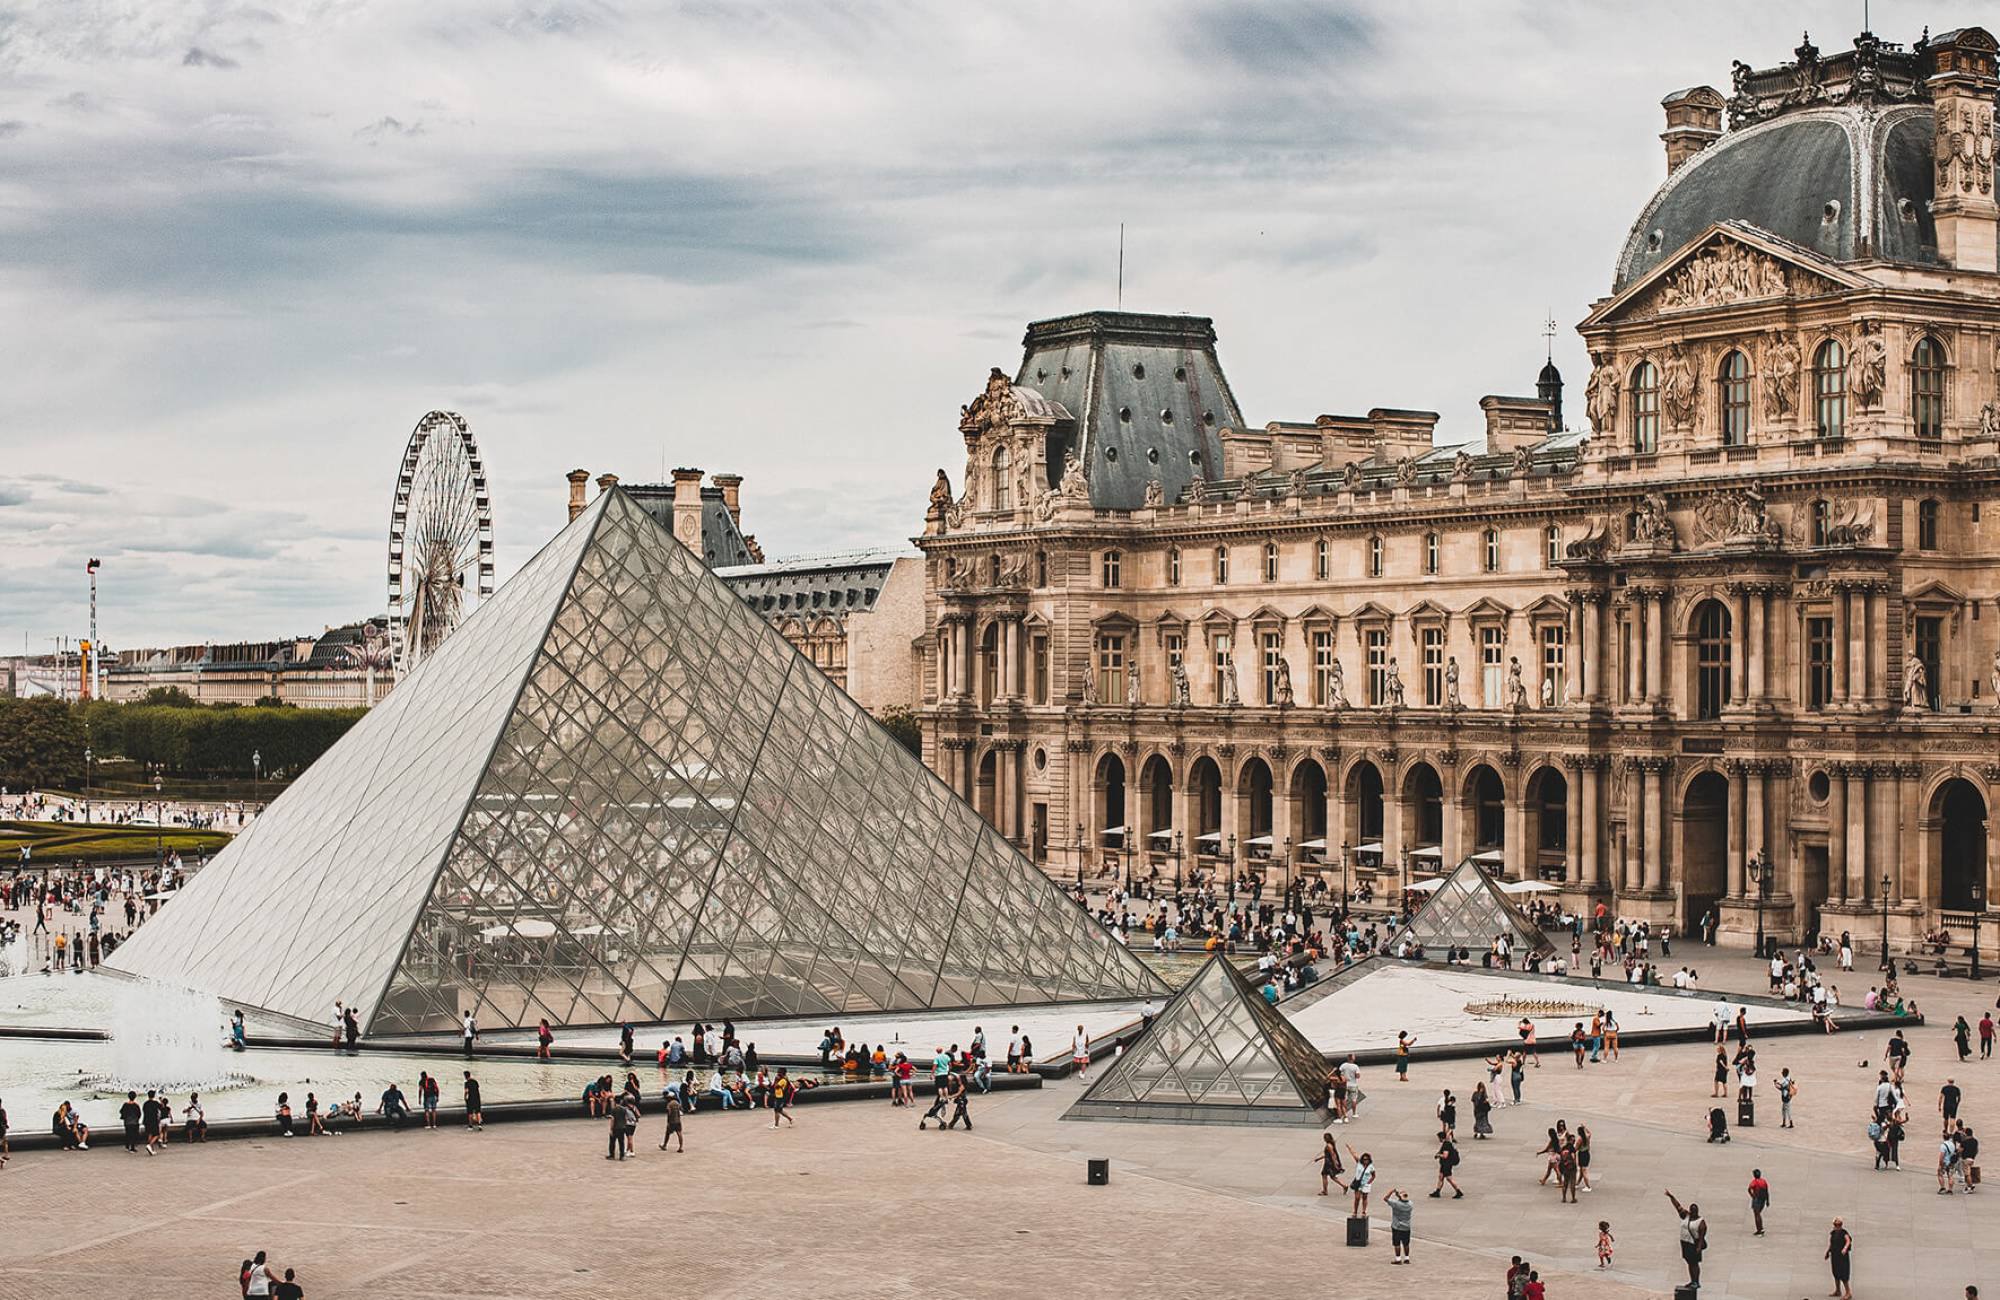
x=1694 y=122
x=579 y=479
x=732 y=496
x=687 y=509
x=605 y=482
x=1962 y=84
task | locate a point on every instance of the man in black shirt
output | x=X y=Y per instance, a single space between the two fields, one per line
x=289 y=1289
x=1948 y=1103
x=474 y=1118
x=149 y=1118
x=130 y=1115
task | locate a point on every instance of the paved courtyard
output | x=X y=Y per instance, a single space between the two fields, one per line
x=855 y=1202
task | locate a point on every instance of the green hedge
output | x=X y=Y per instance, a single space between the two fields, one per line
x=42 y=741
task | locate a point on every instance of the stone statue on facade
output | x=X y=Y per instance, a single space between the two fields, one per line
x=1074 y=486
x=1916 y=684
x=1406 y=471
x=1995 y=683
x=1516 y=689
x=1868 y=368
x=1782 y=363
x=1131 y=684
x=1089 y=687
x=1227 y=686
x=1461 y=467
x=1177 y=675
x=1197 y=489
x=1336 y=683
x=1350 y=474
x=1989 y=420
x=1156 y=493
x=1392 y=685
x=940 y=493
x=1725 y=273
x=1451 y=700
x=1548 y=691
x=1297 y=486
x=1600 y=395
x=1678 y=390
x=1284 y=684
x=995 y=406
x=1651 y=524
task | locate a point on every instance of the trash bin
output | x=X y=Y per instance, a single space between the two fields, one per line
x=1100 y=1173
x=1746 y=1113
x=1357 y=1229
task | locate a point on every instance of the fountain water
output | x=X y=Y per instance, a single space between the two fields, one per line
x=16 y=957
x=166 y=1036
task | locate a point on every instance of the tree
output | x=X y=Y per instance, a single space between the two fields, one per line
x=903 y=724
x=41 y=744
x=171 y=696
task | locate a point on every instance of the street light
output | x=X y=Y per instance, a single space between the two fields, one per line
x=1232 y=868
x=86 y=783
x=1978 y=910
x=1887 y=964
x=1760 y=876
x=1177 y=865
x=1346 y=858
x=1285 y=871
x=159 y=820
x=256 y=773
x=1403 y=900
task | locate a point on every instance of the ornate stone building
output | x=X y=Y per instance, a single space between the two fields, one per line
x=1741 y=618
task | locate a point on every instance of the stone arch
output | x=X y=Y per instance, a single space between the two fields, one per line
x=1545 y=819
x=1156 y=803
x=1255 y=787
x=1361 y=794
x=1204 y=784
x=1110 y=825
x=1423 y=812
x=985 y=787
x=1482 y=805
x=1955 y=833
x=1703 y=813
x=1305 y=794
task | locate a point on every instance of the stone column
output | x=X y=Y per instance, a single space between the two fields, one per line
x=943 y=641
x=1574 y=770
x=1739 y=658
x=1392 y=818
x=1759 y=689
x=1451 y=845
x=1593 y=776
x=1857 y=647
x=1635 y=824
x=1135 y=844
x=1842 y=656
x=1010 y=650
x=1654 y=861
x=1737 y=821
x=1515 y=858
x=1590 y=687
x=1642 y=646
x=1184 y=819
x=1656 y=648
x=962 y=658
x=1836 y=833
x=1003 y=788
x=1895 y=827
x=1859 y=887
x=1755 y=830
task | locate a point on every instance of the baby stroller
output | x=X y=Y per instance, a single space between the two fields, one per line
x=1718 y=1125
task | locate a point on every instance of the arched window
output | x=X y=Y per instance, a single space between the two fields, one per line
x=1003 y=491
x=1489 y=550
x=1552 y=545
x=1927 y=525
x=1041 y=568
x=1829 y=383
x=1711 y=651
x=1734 y=380
x=1270 y=561
x=1431 y=548
x=1221 y=565
x=1322 y=560
x=1645 y=409
x=1173 y=566
x=1375 y=557
x=1927 y=388
x=1114 y=564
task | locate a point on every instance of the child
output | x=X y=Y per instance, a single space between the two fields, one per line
x=1604 y=1242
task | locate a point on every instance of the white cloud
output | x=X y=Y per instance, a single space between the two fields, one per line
x=785 y=240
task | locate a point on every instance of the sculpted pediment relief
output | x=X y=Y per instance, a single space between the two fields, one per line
x=1722 y=269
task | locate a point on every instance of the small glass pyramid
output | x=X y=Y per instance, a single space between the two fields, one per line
x=1467 y=910
x=617 y=794
x=1218 y=1053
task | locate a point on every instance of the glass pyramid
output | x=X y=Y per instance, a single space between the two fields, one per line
x=616 y=794
x=1217 y=1053
x=1467 y=910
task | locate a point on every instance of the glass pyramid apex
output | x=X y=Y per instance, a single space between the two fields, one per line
x=1467 y=910
x=617 y=794
x=1217 y=1053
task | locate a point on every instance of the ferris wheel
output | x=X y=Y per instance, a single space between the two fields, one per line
x=440 y=538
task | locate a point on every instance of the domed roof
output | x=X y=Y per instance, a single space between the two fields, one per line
x=1847 y=182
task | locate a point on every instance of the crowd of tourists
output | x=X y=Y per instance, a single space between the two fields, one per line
x=43 y=806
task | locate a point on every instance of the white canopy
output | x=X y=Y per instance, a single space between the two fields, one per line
x=1426 y=886
x=1529 y=887
x=1490 y=855
x=530 y=928
x=1262 y=841
x=1372 y=846
x=1428 y=851
x=1313 y=844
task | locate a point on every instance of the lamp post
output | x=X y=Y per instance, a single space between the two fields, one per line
x=1978 y=910
x=1232 y=868
x=1285 y=870
x=1177 y=863
x=159 y=820
x=256 y=774
x=1076 y=847
x=1403 y=898
x=1887 y=964
x=86 y=783
x=1760 y=876
x=1346 y=866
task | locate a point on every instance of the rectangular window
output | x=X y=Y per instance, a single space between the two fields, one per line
x=1927 y=525
x=1819 y=663
x=1433 y=647
x=1323 y=560
x=1221 y=566
x=1555 y=655
x=1322 y=668
x=1039 y=652
x=1113 y=563
x=1378 y=667
x=1930 y=653
x=1274 y=650
x=1174 y=566
x=1223 y=667
x=1430 y=552
x=1176 y=647
x=1492 y=666
x=1111 y=668
x=1270 y=562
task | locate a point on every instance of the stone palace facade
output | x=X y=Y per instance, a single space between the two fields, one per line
x=1736 y=635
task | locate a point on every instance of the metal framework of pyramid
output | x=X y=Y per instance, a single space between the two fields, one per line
x=1216 y=1054
x=1466 y=911
x=615 y=793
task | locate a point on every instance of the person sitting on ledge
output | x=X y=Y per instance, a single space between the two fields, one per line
x=718 y=1089
x=348 y=1113
x=194 y=1122
x=394 y=1105
x=70 y=1129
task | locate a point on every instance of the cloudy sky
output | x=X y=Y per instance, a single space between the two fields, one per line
x=244 y=246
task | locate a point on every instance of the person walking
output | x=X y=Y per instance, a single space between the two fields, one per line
x=1400 y=1214
x=544 y=1039
x=1760 y=1197
x=1447 y=1160
x=1605 y=1243
x=1961 y=1036
x=674 y=1126
x=1694 y=1237
x=427 y=1097
x=1986 y=1036
x=1787 y=1087
x=467 y=1031
x=1721 y=1087
x=1447 y=1112
x=1329 y=1163
x=1840 y=1256
x=961 y=1098
x=475 y=1117
x=618 y=1145
x=1517 y=1074
x=783 y=1093
x=1403 y=1045
x=1948 y=1098
x=149 y=1122
x=1080 y=1053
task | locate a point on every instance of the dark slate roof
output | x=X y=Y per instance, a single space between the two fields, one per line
x=836 y=584
x=1147 y=395
x=1779 y=177
x=722 y=541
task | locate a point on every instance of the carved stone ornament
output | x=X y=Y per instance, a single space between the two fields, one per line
x=1600 y=395
x=1197 y=489
x=1156 y=493
x=1284 y=692
x=1046 y=505
x=1964 y=147
x=1652 y=525
x=1461 y=467
x=1350 y=474
x=1406 y=471
x=1783 y=364
x=1593 y=545
x=1735 y=518
x=994 y=408
x=1679 y=393
x=1723 y=273
x=1868 y=367
x=1523 y=462
x=1074 y=486
x=940 y=493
